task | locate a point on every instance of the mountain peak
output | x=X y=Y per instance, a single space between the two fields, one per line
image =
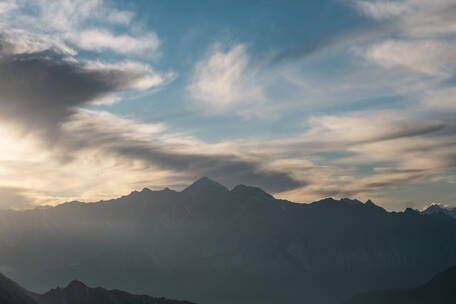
x=205 y=184
x=411 y=211
x=351 y=202
x=252 y=192
x=371 y=204
x=75 y=284
x=437 y=208
x=329 y=201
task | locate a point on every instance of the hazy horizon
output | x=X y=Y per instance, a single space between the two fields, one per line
x=183 y=187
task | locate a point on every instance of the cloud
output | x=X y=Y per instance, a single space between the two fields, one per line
x=423 y=36
x=387 y=136
x=101 y=40
x=338 y=39
x=435 y=58
x=364 y=153
x=441 y=100
x=360 y=187
x=6 y=7
x=100 y=155
x=418 y=18
x=67 y=15
x=40 y=91
x=15 y=42
x=423 y=45
x=78 y=25
x=363 y=128
x=142 y=76
x=130 y=140
x=407 y=18
x=381 y=10
x=106 y=100
x=225 y=79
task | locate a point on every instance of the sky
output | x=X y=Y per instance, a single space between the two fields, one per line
x=305 y=99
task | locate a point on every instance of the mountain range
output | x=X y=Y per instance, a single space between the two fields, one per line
x=211 y=244
x=75 y=293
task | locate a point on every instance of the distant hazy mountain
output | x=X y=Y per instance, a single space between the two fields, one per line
x=440 y=208
x=210 y=244
x=440 y=290
x=75 y=293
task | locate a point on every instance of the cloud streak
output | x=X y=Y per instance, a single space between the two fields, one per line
x=90 y=132
x=81 y=24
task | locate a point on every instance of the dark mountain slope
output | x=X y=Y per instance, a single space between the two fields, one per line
x=440 y=290
x=210 y=244
x=78 y=293
x=12 y=293
x=75 y=293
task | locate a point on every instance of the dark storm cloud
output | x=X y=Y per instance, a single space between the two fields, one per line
x=40 y=92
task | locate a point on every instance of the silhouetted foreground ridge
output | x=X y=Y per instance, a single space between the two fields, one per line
x=440 y=290
x=75 y=293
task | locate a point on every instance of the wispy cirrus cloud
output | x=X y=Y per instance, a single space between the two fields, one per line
x=99 y=40
x=225 y=79
x=381 y=10
x=431 y=57
x=418 y=18
x=84 y=25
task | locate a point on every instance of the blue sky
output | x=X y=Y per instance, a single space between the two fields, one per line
x=263 y=26
x=306 y=99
